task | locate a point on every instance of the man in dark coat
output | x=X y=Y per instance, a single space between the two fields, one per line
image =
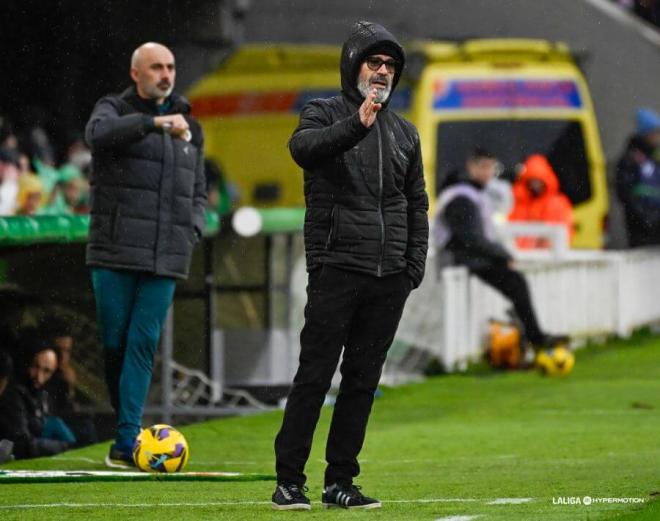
x=25 y=417
x=147 y=212
x=638 y=181
x=366 y=235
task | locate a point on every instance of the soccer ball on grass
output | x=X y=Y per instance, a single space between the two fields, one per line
x=160 y=448
x=558 y=361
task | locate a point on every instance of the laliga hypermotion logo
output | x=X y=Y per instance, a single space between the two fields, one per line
x=589 y=500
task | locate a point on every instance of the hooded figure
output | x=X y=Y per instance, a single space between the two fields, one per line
x=364 y=187
x=366 y=235
x=638 y=181
x=538 y=199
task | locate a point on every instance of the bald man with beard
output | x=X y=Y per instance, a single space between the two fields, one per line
x=148 y=197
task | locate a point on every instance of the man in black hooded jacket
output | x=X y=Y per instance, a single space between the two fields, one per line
x=366 y=236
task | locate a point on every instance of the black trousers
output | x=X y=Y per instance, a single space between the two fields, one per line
x=513 y=286
x=357 y=313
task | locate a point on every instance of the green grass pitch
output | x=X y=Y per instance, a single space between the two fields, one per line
x=483 y=446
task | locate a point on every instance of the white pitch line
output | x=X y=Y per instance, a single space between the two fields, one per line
x=132 y=505
x=216 y=463
x=200 y=463
x=435 y=500
x=496 y=501
x=80 y=458
x=457 y=518
x=510 y=501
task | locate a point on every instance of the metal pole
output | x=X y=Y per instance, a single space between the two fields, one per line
x=213 y=338
x=268 y=282
x=209 y=300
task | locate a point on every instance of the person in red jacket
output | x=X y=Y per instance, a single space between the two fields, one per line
x=537 y=198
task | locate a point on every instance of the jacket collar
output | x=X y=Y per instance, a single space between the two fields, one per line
x=177 y=104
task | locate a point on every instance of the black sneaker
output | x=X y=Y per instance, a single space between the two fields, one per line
x=119 y=459
x=550 y=341
x=347 y=497
x=289 y=496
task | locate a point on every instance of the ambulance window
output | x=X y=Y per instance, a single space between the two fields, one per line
x=561 y=141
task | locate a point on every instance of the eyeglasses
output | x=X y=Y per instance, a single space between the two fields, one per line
x=375 y=63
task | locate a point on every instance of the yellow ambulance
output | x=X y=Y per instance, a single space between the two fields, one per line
x=514 y=97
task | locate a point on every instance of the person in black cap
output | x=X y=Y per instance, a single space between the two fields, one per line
x=366 y=236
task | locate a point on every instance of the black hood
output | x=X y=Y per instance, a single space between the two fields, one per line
x=365 y=38
x=638 y=142
x=177 y=104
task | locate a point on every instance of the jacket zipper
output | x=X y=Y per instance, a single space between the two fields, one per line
x=163 y=173
x=380 y=201
x=334 y=228
x=113 y=223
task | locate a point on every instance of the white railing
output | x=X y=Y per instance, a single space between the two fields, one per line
x=554 y=234
x=583 y=294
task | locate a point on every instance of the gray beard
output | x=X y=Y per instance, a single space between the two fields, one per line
x=381 y=97
x=156 y=92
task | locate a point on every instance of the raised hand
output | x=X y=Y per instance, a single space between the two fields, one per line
x=369 y=110
x=175 y=125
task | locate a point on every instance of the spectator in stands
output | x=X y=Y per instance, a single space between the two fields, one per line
x=30 y=195
x=638 y=181
x=8 y=139
x=649 y=10
x=6 y=368
x=646 y=9
x=24 y=407
x=464 y=229
x=68 y=195
x=79 y=155
x=9 y=171
x=538 y=199
x=61 y=387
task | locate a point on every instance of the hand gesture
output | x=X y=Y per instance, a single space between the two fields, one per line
x=175 y=125
x=369 y=109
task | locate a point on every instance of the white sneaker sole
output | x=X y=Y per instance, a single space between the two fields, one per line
x=295 y=506
x=370 y=506
x=115 y=464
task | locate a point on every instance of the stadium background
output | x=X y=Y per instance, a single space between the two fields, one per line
x=63 y=56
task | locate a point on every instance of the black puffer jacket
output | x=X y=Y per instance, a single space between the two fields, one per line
x=364 y=187
x=148 y=189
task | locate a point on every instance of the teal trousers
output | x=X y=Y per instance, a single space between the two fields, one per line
x=131 y=308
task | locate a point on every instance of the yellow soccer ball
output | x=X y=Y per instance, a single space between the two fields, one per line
x=558 y=361
x=160 y=448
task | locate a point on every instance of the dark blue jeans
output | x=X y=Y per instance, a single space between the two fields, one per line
x=130 y=309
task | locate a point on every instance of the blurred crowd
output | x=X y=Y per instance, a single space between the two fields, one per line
x=40 y=414
x=649 y=10
x=33 y=182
